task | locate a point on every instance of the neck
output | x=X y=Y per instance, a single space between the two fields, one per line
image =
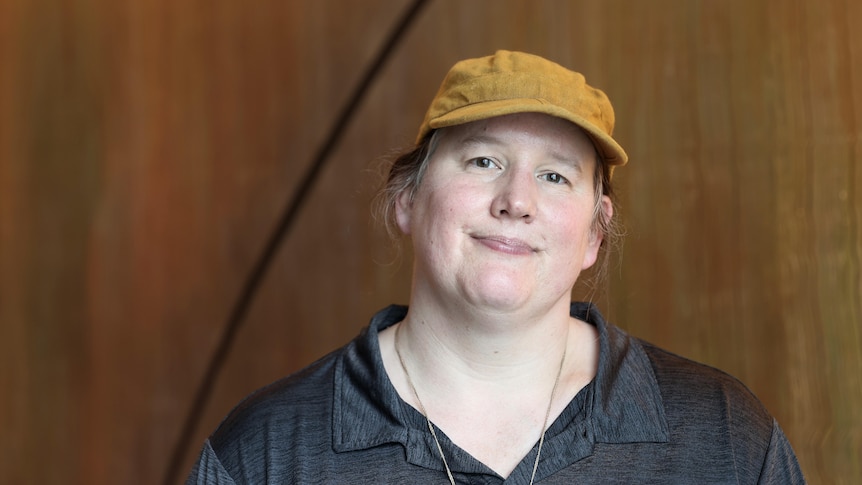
x=483 y=378
x=503 y=462
x=491 y=348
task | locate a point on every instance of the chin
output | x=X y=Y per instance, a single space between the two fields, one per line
x=502 y=297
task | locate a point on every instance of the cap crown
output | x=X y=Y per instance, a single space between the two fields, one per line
x=514 y=82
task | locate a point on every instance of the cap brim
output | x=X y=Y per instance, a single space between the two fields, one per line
x=611 y=152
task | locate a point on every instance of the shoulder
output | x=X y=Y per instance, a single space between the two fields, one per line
x=698 y=386
x=702 y=423
x=276 y=411
x=709 y=409
x=301 y=406
x=278 y=430
x=263 y=438
x=689 y=391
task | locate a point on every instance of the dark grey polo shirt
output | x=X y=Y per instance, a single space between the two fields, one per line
x=649 y=416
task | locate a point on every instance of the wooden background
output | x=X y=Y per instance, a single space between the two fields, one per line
x=148 y=148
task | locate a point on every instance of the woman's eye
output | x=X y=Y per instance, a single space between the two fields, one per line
x=554 y=178
x=484 y=162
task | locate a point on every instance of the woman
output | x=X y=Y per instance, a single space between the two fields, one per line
x=491 y=374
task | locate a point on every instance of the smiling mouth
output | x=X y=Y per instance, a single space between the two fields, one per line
x=506 y=245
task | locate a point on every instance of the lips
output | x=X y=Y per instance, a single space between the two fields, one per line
x=506 y=245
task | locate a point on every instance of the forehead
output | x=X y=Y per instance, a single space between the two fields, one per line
x=562 y=138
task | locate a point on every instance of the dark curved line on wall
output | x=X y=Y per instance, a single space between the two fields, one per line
x=253 y=283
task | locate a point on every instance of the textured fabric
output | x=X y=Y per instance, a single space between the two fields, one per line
x=648 y=417
x=515 y=82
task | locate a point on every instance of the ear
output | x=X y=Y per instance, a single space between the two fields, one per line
x=403 y=208
x=596 y=235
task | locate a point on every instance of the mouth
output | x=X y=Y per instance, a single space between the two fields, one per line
x=506 y=245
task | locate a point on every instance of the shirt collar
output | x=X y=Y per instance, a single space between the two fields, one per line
x=627 y=406
x=623 y=403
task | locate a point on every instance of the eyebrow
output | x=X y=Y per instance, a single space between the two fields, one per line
x=481 y=139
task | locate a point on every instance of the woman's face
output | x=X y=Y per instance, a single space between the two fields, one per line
x=503 y=217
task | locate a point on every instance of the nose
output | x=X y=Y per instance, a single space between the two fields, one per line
x=516 y=197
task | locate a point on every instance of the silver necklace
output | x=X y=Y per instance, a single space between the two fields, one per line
x=431 y=426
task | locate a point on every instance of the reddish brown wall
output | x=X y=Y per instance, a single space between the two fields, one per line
x=147 y=149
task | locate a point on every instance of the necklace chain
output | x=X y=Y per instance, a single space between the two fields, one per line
x=434 y=433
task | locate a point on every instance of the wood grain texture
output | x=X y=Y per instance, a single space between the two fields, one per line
x=147 y=149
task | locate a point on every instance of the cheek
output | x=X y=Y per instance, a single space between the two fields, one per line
x=578 y=239
x=441 y=204
x=420 y=214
